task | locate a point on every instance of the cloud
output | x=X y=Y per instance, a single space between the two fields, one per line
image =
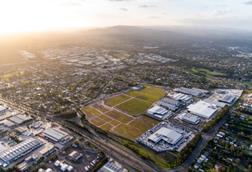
x=73 y=3
x=220 y=13
x=154 y=17
x=124 y=9
x=146 y=6
x=248 y=2
x=119 y=0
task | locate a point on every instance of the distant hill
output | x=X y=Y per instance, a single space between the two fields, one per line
x=131 y=37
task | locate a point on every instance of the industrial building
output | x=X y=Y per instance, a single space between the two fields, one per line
x=164 y=137
x=75 y=156
x=203 y=109
x=189 y=118
x=112 y=166
x=223 y=97
x=158 y=112
x=169 y=103
x=3 y=109
x=192 y=91
x=12 y=154
x=63 y=166
x=55 y=134
x=19 y=119
x=229 y=99
x=185 y=99
x=165 y=134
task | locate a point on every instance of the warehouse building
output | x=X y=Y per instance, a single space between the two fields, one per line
x=3 y=109
x=112 y=166
x=158 y=112
x=75 y=156
x=203 y=109
x=189 y=118
x=165 y=134
x=185 y=99
x=192 y=91
x=169 y=103
x=55 y=134
x=223 y=97
x=165 y=137
x=18 y=151
x=229 y=99
x=20 y=118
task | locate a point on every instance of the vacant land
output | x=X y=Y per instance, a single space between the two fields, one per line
x=112 y=101
x=117 y=122
x=123 y=114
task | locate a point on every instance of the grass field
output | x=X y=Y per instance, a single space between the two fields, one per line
x=134 y=107
x=123 y=114
x=206 y=72
x=112 y=101
x=149 y=93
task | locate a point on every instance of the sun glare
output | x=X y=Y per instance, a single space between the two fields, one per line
x=32 y=15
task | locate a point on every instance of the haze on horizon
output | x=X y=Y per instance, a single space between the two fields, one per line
x=53 y=15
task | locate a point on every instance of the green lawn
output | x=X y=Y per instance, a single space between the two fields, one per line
x=149 y=93
x=134 y=107
x=249 y=86
x=206 y=72
x=112 y=101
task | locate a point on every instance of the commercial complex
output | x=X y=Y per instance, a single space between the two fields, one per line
x=165 y=134
x=158 y=112
x=165 y=137
x=192 y=91
x=55 y=134
x=189 y=118
x=169 y=103
x=14 y=153
x=185 y=99
x=20 y=118
x=203 y=109
x=224 y=97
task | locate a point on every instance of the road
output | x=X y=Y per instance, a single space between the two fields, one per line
x=202 y=143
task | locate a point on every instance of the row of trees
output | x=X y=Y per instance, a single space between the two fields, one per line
x=216 y=119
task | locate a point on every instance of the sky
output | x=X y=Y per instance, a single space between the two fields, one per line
x=44 y=15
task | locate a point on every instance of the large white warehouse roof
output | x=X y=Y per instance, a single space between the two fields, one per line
x=166 y=134
x=202 y=109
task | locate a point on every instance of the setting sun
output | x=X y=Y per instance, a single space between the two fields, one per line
x=30 y=15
